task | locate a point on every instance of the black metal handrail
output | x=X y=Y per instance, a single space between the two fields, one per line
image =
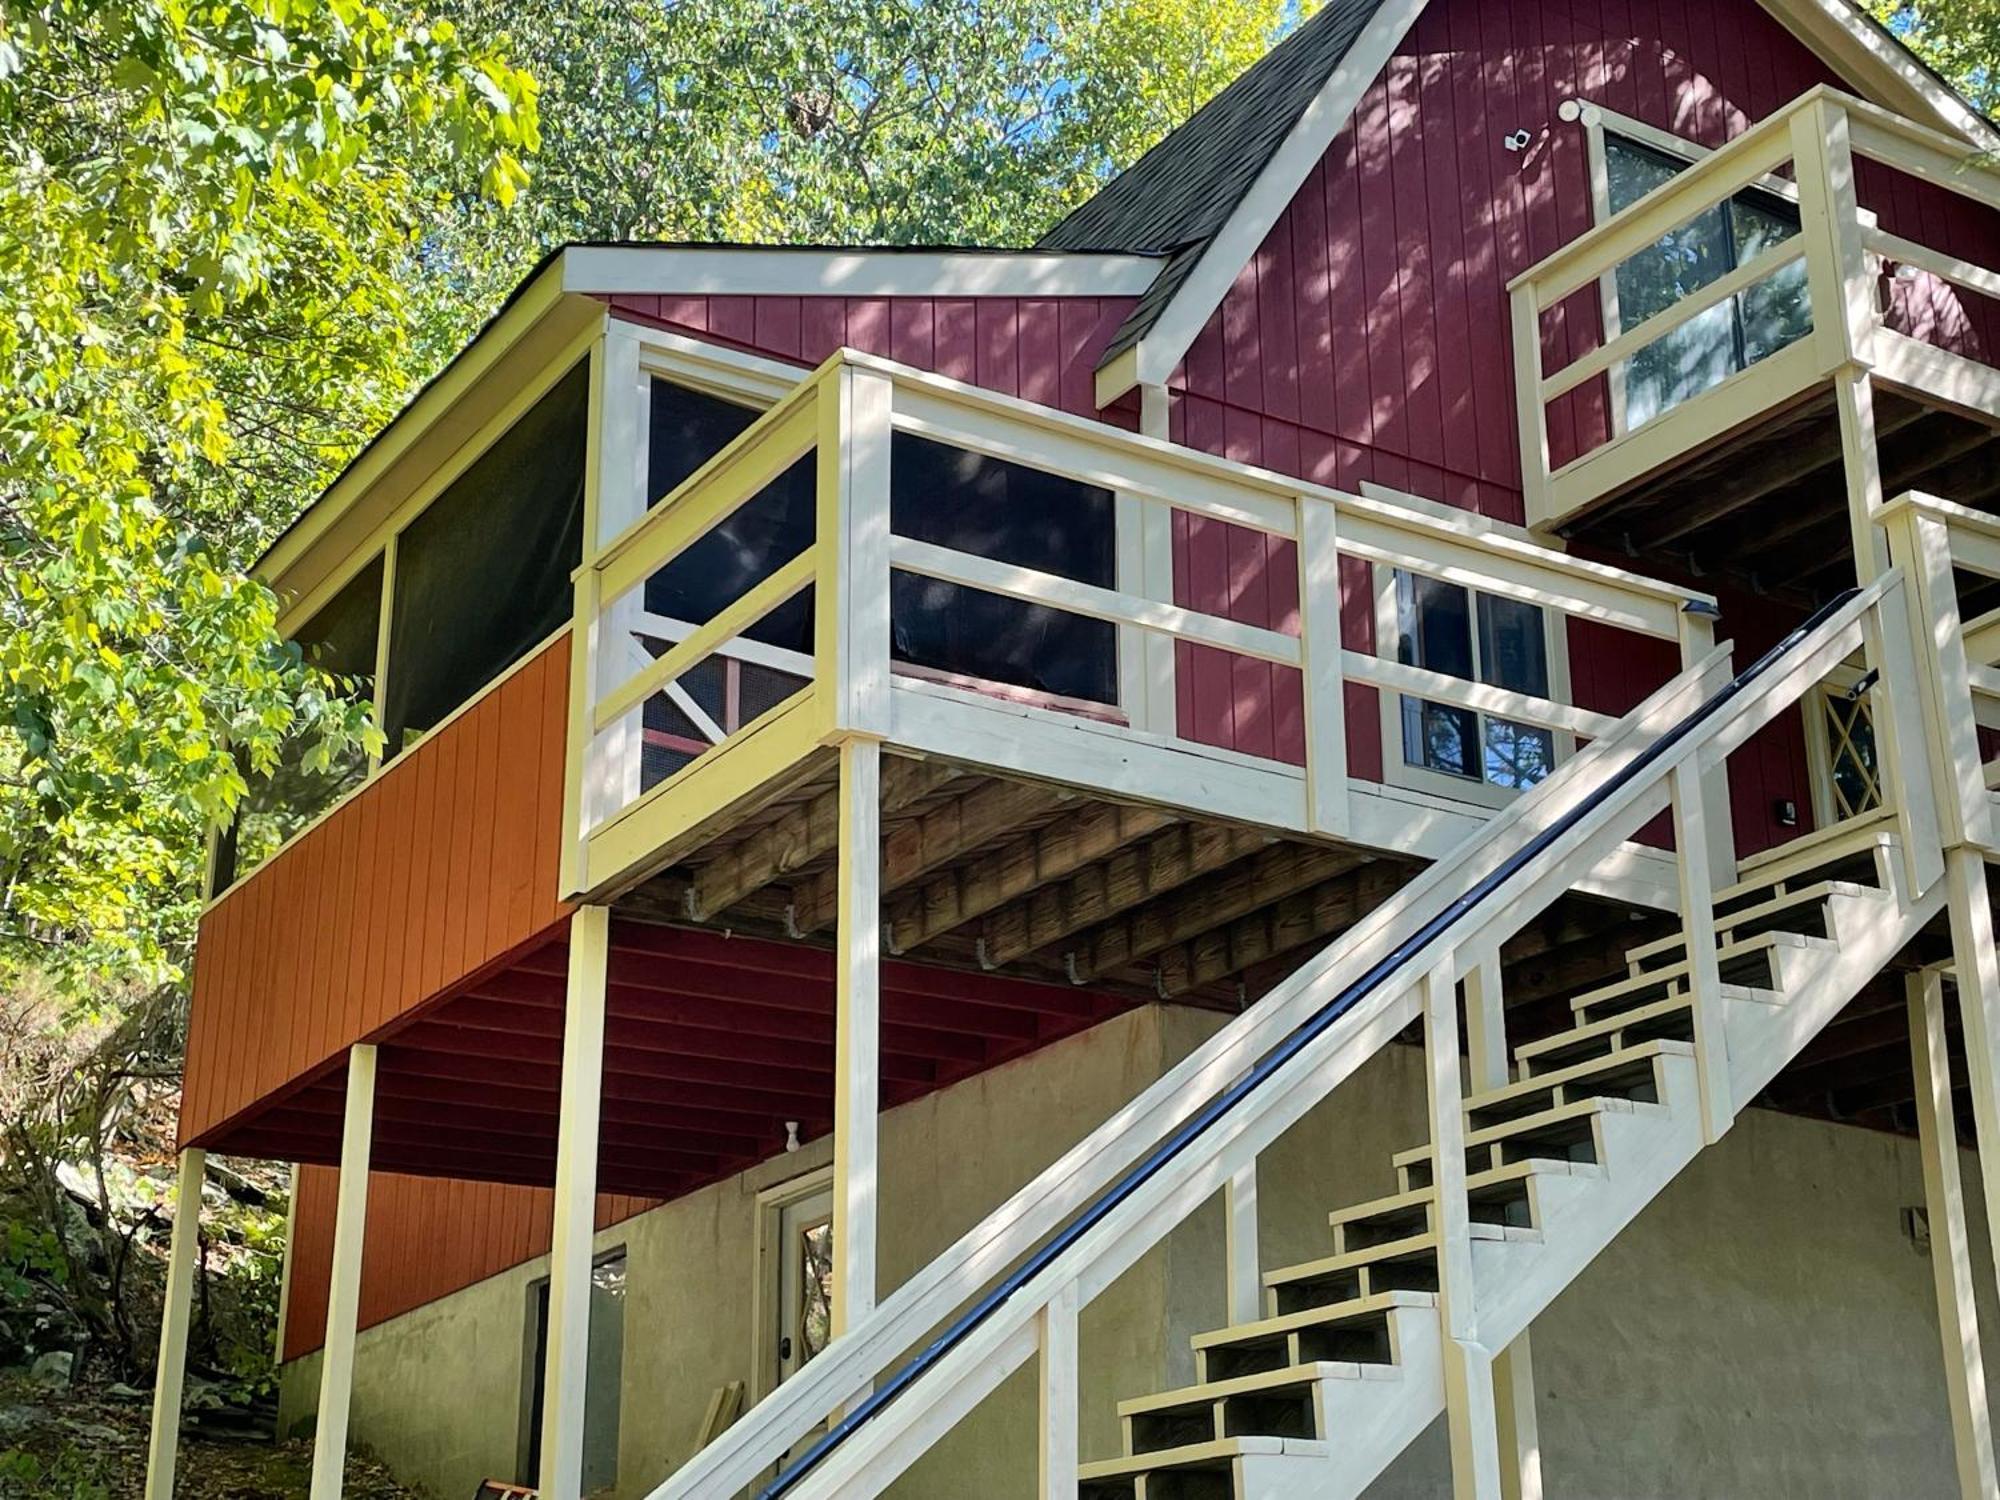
x=1301 y=1036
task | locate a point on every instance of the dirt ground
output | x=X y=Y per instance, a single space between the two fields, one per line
x=91 y=1445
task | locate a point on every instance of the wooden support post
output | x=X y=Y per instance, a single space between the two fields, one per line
x=1240 y=1254
x=857 y=1032
x=1513 y=1367
x=178 y=1304
x=567 y=1343
x=1470 y=1414
x=1951 y=1250
x=343 y=1293
x=1059 y=1395
x=1319 y=642
x=1897 y=715
x=1156 y=546
x=1977 y=969
x=1697 y=633
x=1703 y=975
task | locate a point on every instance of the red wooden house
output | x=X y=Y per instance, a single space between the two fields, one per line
x=943 y=807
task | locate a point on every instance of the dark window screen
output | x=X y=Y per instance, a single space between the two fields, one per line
x=1012 y=514
x=762 y=535
x=484 y=573
x=340 y=640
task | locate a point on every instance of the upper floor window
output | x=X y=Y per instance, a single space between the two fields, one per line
x=1710 y=347
x=1481 y=638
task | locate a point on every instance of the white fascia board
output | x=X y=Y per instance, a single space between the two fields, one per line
x=695 y=271
x=1159 y=352
x=1880 y=66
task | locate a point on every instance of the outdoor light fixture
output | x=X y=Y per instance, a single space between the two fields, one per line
x=1516 y=140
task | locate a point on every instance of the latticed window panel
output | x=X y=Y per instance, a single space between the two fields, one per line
x=1853 y=778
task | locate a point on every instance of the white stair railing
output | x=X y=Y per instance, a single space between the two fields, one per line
x=1183 y=1140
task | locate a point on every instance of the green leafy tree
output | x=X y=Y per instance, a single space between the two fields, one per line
x=1959 y=38
x=207 y=231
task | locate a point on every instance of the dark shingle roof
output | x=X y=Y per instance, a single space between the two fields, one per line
x=1179 y=194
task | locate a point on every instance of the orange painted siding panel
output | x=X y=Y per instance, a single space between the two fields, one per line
x=441 y=865
x=468 y=1230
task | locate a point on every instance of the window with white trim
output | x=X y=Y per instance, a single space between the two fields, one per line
x=1478 y=637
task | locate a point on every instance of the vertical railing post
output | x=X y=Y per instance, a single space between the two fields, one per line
x=1697 y=641
x=1159 y=705
x=1513 y=1367
x=1702 y=974
x=1057 y=1333
x=1921 y=546
x=1904 y=765
x=574 y=1226
x=343 y=1292
x=177 y=1304
x=1320 y=659
x=1951 y=1249
x=1525 y=313
x=852 y=594
x=1470 y=1413
x=1241 y=1259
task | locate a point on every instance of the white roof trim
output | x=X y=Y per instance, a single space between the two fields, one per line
x=1160 y=350
x=701 y=270
x=1854 y=46
x=1832 y=29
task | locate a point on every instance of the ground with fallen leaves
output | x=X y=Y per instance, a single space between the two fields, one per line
x=91 y=1445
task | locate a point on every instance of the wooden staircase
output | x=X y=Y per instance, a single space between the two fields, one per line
x=1346 y=1366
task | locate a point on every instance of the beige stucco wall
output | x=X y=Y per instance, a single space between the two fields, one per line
x=1765 y=1329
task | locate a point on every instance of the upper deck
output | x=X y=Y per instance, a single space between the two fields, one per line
x=1808 y=327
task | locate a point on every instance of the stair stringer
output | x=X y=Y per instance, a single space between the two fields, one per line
x=1644 y=1150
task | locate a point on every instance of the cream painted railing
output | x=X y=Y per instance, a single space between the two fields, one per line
x=1062 y=1239
x=1932 y=542
x=841 y=421
x=1817 y=140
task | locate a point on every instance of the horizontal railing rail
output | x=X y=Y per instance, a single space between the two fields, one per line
x=1838 y=253
x=639 y=788
x=1020 y=1278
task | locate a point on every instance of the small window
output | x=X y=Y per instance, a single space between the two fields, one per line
x=1480 y=638
x=604 y=1374
x=1012 y=514
x=339 y=640
x=1757 y=322
x=483 y=574
x=1841 y=730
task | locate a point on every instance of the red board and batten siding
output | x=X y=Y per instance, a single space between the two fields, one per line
x=441 y=866
x=468 y=1231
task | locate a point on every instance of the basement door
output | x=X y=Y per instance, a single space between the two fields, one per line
x=805 y=1281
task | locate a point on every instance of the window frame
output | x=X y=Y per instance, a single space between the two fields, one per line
x=534 y=1366
x=1819 y=746
x=1396 y=768
x=767 y=1295
x=1598 y=123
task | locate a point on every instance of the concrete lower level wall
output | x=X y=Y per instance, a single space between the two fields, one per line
x=1765 y=1329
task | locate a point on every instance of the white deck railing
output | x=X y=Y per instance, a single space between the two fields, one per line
x=842 y=420
x=1817 y=140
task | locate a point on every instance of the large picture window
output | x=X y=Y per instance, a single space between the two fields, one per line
x=1756 y=322
x=1481 y=638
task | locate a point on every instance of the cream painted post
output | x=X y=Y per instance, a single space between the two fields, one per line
x=1697 y=637
x=1977 y=969
x=1898 y=720
x=1059 y=1359
x=343 y=1292
x=1702 y=973
x=854 y=436
x=857 y=1032
x=1513 y=1367
x=1470 y=1414
x=1921 y=545
x=1156 y=548
x=1319 y=643
x=177 y=1305
x=1951 y=1250
x=1241 y=1260
x=1525 y=315
x=567 y=1343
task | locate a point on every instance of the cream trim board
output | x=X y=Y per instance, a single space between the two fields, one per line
x=1397 y=771
x=1160 y=350
x=779 y=271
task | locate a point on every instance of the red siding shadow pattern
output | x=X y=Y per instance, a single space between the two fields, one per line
x=466 y=1231
x=443 y=864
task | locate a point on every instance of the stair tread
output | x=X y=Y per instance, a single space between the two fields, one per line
x=1211 y=1454
x=1289 y=1378
x=1352 y=1310
x=1604 y=1062
x=1724 y=953
x=1476 y=1182
x=1814 y=894
x=1590 y=1030
x=1579 y=1109
x=1846 y=842
x=1328 y=1265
